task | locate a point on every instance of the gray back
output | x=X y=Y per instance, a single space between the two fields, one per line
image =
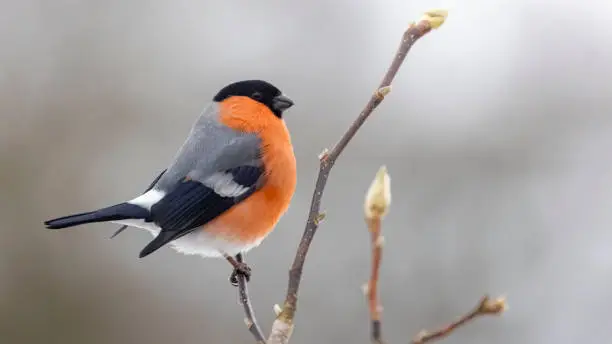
x=210 y=147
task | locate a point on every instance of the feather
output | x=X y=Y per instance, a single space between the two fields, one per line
x=192 y=204
x=124 y=227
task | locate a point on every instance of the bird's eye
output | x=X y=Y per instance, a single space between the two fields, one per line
x=257 y=96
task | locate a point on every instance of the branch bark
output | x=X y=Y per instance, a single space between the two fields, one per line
x=283 y=325
x=374 y=305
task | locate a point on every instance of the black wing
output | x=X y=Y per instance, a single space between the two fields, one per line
x=192 y=204
x=122 y=228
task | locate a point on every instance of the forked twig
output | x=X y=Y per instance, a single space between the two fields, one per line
x=283 y=325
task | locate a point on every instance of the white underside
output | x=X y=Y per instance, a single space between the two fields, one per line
x=198 y=242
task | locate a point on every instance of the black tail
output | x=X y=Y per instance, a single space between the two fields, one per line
x=122 y=211
x=124 y=227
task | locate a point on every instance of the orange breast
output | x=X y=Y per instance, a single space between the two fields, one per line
x=255 y=217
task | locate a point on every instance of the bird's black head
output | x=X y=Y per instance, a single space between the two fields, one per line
x=260 y=91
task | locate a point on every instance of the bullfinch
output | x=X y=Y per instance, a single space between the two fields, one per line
x=227 y=186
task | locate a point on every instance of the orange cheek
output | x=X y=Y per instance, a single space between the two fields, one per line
x=244 y=114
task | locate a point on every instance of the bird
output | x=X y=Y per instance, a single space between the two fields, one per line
x=226 y=188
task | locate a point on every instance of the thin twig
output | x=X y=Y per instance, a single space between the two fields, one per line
x=374 y=305
x=249 y=320
x=376 y=206
x=283 y=325
x=486 y=306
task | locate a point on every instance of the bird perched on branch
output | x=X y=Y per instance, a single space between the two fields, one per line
x=228 y=185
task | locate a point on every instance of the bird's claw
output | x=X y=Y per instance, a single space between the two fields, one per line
x=243 y=270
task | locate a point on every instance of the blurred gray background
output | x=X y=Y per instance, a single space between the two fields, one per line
x=497 y=136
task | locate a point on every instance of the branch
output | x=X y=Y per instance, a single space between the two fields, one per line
x=486 y=306
x=249 y=320
x=283 y=325
x=377 y=202
x=371 y=288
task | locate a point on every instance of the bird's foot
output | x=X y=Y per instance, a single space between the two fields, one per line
x=241 y=269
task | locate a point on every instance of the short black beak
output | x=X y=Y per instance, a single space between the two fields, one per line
x=282 y=103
